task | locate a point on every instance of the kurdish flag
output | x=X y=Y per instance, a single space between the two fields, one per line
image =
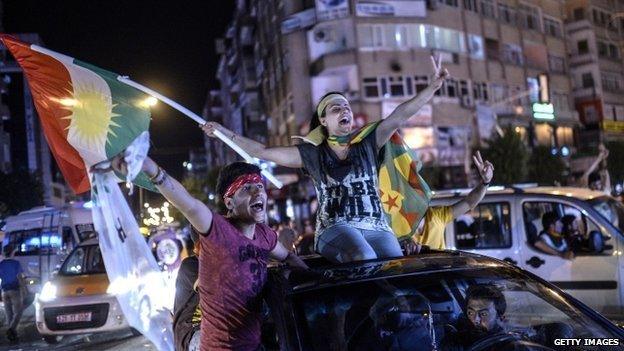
x=88 y=116
x=404 y=193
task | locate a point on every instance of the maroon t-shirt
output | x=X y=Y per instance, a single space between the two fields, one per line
x=232 y=273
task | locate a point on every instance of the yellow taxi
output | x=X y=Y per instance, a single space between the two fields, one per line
x=76 y=301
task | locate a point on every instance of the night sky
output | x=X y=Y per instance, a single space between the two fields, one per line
x=167 y=46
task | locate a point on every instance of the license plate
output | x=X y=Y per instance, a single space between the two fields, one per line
x=74 y=317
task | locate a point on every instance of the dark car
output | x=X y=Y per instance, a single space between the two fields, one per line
x=415 y=302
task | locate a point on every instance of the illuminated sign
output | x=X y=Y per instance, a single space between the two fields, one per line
x=543 y=111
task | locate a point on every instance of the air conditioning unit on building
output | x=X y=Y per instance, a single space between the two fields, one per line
x=467 y=101
x=323 y=34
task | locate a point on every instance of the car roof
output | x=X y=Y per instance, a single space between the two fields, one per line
x=327 y=274
x=579 y=193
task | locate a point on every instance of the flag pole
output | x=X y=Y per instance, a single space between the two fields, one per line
x=202 y=121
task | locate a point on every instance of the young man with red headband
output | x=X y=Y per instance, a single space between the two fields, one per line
x=235 y=249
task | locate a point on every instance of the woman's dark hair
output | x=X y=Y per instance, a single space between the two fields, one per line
x=488 y=292
x=232 y=171
x=568 y=221
x=315 y=122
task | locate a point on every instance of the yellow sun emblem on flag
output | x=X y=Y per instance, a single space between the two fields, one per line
x=92 y=114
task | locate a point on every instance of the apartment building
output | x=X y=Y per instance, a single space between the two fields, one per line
x=279 y=57
x=595 y=31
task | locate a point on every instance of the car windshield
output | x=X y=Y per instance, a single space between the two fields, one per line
x=610 y=209
x=84 y=260
x=428 y=311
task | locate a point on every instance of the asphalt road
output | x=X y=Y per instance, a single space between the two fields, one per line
x=29 y=339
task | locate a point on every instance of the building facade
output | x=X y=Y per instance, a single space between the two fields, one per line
x=379 y=56
x=595 y=31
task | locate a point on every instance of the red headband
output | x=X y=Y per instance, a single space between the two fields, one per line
x=240 y=181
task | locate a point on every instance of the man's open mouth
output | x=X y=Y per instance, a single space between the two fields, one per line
x=257 y=206
x=344 y=121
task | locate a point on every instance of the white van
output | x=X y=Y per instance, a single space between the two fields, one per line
x=44 y=236
x=507 y=222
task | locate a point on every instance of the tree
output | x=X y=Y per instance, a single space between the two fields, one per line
x=509 y=157
x=544 y=167
x=19 y=191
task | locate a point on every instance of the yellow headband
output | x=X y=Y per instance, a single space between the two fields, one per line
x=323 y=103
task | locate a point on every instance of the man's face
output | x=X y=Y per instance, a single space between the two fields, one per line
x=338 y=117
x=482 y=314
x=248 y=203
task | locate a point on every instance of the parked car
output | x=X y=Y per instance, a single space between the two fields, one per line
x=506 y=225
x=340 y=308
x=76 y=299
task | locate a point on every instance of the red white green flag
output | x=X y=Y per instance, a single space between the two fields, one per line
x=88 y=116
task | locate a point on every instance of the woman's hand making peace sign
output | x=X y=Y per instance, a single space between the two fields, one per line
x=440 y=74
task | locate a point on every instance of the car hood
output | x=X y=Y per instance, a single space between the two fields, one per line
x=81 y=285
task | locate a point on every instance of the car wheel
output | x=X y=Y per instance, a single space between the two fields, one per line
x=52 y=339
x=145 y=311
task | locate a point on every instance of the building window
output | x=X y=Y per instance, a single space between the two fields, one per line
x=471 y=5
x=560 y=101
x=492 y=51
x=507 y=14
x=453 y=3
x=451 y=87
x=480 y=91
x=488 y=8
x=529 y=17
x=614 y=53
x=421 y=83
x=556 y=64
x=371 y=87
x=611 y=82
x=396 y=86
x=552 y=27
x=588 y=80
x=601 y=18
x=582 y=47
x=579 y=14
x=463 y=87
x=565 y=136
x=603 y=49
x=512 y=54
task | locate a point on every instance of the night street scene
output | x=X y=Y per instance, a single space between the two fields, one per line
x=312 y=175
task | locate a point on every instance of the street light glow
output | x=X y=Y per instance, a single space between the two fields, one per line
x=151 y=101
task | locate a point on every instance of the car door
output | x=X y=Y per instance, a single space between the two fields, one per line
x=590 y=276
x=486 y=230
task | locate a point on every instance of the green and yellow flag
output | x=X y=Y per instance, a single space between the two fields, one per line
x=404 y=193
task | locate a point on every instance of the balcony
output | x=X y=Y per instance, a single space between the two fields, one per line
x=584 y=59
x=575 y=26
x=329 y=61
x=584 y=92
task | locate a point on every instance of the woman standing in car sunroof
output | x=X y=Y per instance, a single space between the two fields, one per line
x=343 y=164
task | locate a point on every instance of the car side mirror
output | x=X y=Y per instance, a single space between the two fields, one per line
x=596 y=241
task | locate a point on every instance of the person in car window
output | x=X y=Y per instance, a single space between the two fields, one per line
x=550 y=239
x=571 y=233
x=484 y=319
x=344 y=166
x=235 y=250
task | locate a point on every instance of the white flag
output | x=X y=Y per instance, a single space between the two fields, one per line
x=135 y=277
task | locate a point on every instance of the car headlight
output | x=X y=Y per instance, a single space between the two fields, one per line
x=48 y=292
